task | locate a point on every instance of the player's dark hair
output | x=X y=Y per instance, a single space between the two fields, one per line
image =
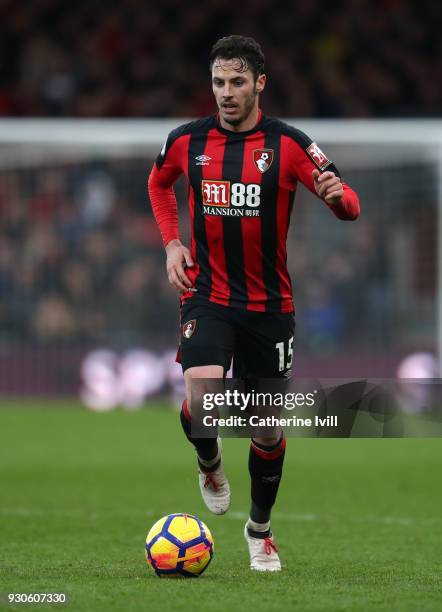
x=242 y=47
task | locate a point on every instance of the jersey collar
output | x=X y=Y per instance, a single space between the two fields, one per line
x=256 y=128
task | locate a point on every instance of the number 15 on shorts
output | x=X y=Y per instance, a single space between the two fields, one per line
x=285 y=353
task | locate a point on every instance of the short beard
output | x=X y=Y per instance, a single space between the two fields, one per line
x=239 y=120
x=233 y=121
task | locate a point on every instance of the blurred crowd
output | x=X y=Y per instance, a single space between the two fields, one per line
x=132 y=58
x=80 y=258
x=82 y=262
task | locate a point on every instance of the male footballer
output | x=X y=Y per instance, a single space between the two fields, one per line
x=243 y=169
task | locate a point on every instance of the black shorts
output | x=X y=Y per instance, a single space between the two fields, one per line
x=260 y=343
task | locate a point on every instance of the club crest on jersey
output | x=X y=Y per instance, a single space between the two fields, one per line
x=189 y=328
x=318 y=156
x=263 y=159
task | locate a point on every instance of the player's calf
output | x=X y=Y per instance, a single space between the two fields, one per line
x=265 y=467
x=213 y=482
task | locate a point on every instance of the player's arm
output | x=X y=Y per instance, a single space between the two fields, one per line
x=166 y=169
x=322 y=178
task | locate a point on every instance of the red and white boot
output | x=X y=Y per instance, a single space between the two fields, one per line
x=215 y=487
x=263 y=553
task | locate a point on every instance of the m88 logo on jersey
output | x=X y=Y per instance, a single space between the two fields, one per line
x=223 y=198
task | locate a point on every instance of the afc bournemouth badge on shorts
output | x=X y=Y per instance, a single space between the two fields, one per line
x=318 y=156
x=189 y=328
x=263 y=159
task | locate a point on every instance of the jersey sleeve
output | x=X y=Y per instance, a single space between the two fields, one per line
x=168 y=166
x=305 y=156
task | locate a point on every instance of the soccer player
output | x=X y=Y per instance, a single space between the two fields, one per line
x=236 y=296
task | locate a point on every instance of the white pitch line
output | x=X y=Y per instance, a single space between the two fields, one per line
x=311 y=518
x=243 y=516
x=51 y=513
x=232 y=515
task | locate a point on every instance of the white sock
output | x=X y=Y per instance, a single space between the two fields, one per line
x=260 y=527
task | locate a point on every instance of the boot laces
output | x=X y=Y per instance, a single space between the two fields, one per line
x=210 y=481
x=269 y=545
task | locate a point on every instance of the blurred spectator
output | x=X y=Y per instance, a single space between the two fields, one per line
x=77 y=284
x=323 y=319
x=133 y=307
x=54 y=319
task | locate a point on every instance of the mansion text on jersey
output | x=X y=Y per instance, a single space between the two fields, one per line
x=229 y=212
x=226 y=199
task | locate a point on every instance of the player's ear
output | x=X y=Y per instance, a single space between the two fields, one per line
x=260 y=83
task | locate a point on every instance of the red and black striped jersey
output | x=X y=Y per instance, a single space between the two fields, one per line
x=241 y=192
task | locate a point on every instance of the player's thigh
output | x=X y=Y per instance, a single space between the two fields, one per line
x=207 y=341
x=265 y=347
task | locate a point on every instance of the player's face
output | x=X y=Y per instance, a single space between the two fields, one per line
x=236 y=91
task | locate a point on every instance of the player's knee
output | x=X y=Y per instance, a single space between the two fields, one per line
x=201 y=380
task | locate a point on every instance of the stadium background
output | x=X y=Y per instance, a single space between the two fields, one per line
x=82 y=268
x=81 y=263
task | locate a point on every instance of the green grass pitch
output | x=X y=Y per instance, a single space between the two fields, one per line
x=358 y=522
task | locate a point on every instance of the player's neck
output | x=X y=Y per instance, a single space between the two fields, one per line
x=246 y=125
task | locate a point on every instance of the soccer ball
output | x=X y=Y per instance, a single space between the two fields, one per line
x=179 y=545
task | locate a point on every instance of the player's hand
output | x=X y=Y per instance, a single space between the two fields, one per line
x=328 y=186
x=178 y=256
